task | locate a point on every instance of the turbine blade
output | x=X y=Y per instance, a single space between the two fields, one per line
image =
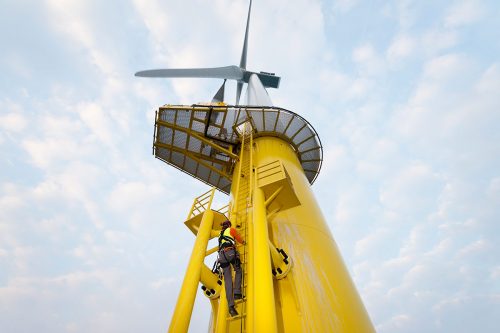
x=219 y=96
x=228 y=72
x=243 y=61
x=239 y=87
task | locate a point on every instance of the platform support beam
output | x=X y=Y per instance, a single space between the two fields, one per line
x=265 y=317
x=185 y=302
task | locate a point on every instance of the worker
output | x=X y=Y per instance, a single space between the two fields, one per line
x=227 y=256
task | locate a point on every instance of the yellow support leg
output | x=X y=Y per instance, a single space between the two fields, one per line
x=221 y=323
x=185 y=301
x=213 y=316
x=265 y=317
x=249 y=275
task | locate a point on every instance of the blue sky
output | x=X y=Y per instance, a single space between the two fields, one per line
x=405 y=96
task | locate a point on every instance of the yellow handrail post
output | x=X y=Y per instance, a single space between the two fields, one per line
x=185 y=301
x=265 y=318
x=221 y=323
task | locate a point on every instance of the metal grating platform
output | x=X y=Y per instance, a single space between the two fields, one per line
x=200 y=139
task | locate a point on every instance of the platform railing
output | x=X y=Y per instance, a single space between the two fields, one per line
x=202 y=203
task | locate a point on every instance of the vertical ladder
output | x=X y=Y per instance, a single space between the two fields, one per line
x=239 y=214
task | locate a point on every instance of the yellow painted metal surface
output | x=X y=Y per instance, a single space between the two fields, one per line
x=273 y=179
x=185 y=301
x=265 y=314
x=294 y=279
x=318 y=294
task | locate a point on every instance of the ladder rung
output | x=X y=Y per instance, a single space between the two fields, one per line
x=239 y=316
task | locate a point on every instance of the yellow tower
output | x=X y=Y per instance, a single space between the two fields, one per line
x=266 y=159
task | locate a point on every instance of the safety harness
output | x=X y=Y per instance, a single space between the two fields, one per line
x=226 y=240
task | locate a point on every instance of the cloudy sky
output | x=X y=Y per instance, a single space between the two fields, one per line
x=405 y=96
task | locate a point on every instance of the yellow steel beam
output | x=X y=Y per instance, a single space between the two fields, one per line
x=180 y=150
x=238 y=179
x=278 y=262
x=273 y=196
x=191 y=153
x=199 y=137
x=221 y=322
x=213 y=317
x=265 y=317
x=212 y=250
x=249 y=255
x=187 y=295
x=270 y=215
x=250 y=274
x=214 y=234
x=209 y=280
x=252 y=178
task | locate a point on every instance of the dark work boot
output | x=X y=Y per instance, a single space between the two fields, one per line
x=232 y=311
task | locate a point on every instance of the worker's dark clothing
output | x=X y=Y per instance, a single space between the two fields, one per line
x=228 y=255
x=226 y=258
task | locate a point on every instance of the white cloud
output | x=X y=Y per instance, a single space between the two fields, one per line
x=372 y=242
x=415 y=189
x=156 y=20
x=368 y=60
x=397 y=323
x=12 y=117
x=98 y=121
x=344 y=5
x=477 y=247
x=56 y=227
x=74 y=19
x=445 y=67
x=495 y=273
x=464 y=12
x=489 y=82
x=438 y=40
x=401 y=47
x=335 y=86
x=162 y=283
x=47 y=152
x=441 y=96
x=494 y=188
x=134 y=194
x=13 y=122
x=10 y=200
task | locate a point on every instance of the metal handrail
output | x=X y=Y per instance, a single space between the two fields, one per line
x=202 y=203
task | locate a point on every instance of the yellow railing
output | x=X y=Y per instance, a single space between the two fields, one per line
x=225 y=210
x=202 y=203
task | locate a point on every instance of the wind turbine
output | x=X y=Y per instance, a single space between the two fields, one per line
x=265 y=158
x=238 y=73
